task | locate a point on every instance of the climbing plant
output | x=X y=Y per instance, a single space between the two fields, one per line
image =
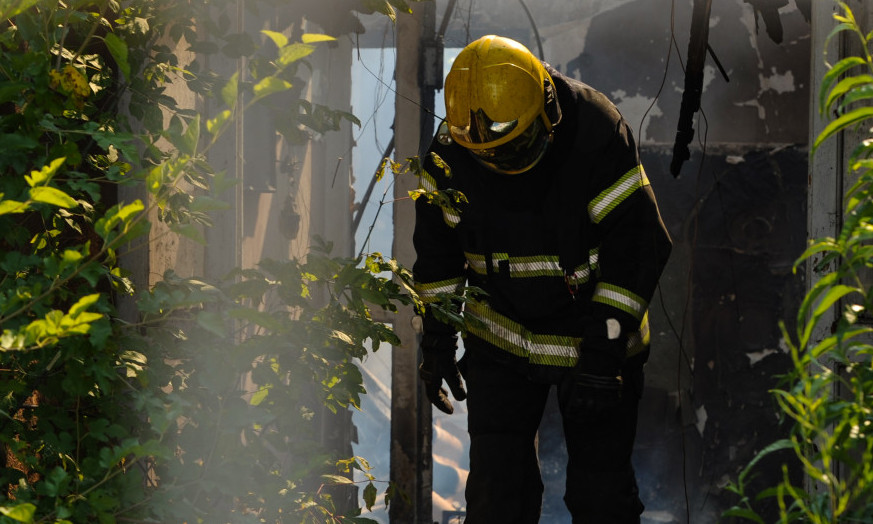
x=827 y=396
x=205 y=405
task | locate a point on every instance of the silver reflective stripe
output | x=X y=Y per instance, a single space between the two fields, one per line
x=532 y=266
x=617 y=193
x=510 y=336
x=428 y=292
x=537 y=266
x=476 y=263
x=620 y=298
x=450 y=216
x=427 y=182
x=549 y=350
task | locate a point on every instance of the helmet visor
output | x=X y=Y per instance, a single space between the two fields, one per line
x=481 y=129
x=519 y=154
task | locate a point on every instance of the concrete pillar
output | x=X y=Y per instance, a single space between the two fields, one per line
x=828 y=177
x=411 y=463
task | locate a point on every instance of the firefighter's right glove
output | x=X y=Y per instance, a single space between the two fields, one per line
x=594 y=385
x=438 y=364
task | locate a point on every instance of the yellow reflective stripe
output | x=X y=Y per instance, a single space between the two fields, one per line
x=532 y=266
x=510 y=336
x=620 y=298
x=476 y=263
x=617 y=193
x=639 y=340
x=450 y=216
x=496 y=258
x=428 y=292
x=495 y=328
x=426 y=182
x=549 y=350
x=583 y=272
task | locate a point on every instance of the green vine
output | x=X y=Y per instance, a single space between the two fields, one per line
x=828 y=395
x=208 y=406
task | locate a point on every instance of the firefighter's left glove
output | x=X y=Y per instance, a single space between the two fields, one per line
x=595 y=385
x=438 y=364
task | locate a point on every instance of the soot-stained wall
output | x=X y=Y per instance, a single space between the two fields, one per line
x=738 y=226
x=737 y=214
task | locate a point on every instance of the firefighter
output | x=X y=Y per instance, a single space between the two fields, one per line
x=560 y=228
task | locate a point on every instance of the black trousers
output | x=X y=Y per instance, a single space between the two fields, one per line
x=504 y=485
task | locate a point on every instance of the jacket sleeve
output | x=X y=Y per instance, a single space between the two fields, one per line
x=440 y=262
x=634 y=243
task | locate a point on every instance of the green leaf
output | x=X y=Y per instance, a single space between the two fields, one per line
x=191 y=137
x=835 y=293
x=846 y=85
x=118 y=49
x=833 y=74
x=230 y=91
x=12 y=206
x=851 y=118
x=311 y=38
x=260 y=318
x=10 y=9
x=192 y=231
x=118 y=214
x=203 y=47
x=212 y=322
x=343 y=337
x=215 y=125
x=259 y=396
x=294 y=52
x=83 y=303
x=42 y=177
x=53 y=196
x=743 y=513
x=238 y=45
x=21 y=513
x=370 y=496
x=270 y=85
x=278 y=38
x=337 y=479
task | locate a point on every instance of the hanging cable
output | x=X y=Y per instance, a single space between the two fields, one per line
x=536 y=32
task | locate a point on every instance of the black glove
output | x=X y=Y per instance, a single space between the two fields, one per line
x=594 y=385
x=437 y=364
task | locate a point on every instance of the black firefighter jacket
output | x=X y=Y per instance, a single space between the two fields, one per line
x=572 y=242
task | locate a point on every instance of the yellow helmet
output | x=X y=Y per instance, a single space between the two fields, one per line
x=501 y=104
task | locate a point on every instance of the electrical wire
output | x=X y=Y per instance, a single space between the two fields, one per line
x=679 y=334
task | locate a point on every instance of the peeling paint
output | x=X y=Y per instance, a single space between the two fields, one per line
x=569 y=35
x=701 y=419
x=758 y=356
x=762 y=112
x=748 y=20
x=635 y=108
x=781 y=83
